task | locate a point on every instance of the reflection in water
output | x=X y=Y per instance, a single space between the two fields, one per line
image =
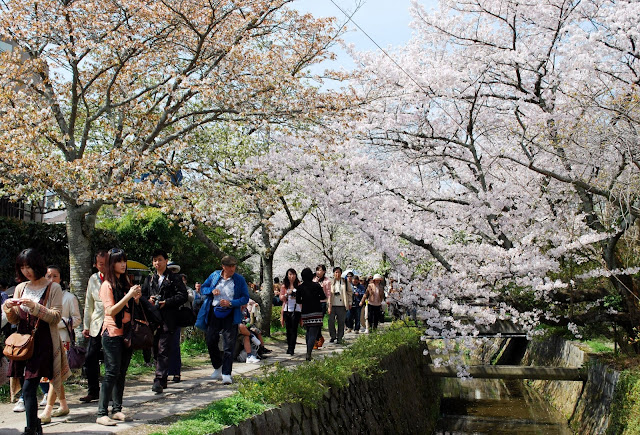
x=492 y=406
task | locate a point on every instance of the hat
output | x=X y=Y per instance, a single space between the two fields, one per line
x=173 y=267
x=377 y=276
x=228 y=260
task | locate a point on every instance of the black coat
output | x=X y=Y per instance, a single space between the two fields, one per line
x=309 y=295
x=172 y=291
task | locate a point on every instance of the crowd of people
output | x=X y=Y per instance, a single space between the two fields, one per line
x=114 y=305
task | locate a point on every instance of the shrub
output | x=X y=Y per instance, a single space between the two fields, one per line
x=306 y=383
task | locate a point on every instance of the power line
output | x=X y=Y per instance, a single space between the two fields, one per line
x=379 y=47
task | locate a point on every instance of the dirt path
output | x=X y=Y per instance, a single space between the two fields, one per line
x=152 y=411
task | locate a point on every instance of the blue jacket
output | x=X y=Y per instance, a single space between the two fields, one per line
x=240 y=298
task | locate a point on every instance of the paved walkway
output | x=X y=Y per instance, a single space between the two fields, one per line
x=196 y=390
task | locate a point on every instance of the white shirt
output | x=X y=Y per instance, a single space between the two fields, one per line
x=227 y=289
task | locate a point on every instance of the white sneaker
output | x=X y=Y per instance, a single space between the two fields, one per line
x=19 y=405
x=226 y=379
x=43 y=402
x=217 y=374
x=252 y=359
x=366 y=331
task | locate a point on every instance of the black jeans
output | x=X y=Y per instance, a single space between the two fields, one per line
x=291 y=322
x=92 y=365
x=375 y=312
x=162 y=348
x=229 y=333
x=116 y=362
x=29 y=395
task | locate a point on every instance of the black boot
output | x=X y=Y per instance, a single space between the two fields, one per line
x=29 y=431
x=308 y=356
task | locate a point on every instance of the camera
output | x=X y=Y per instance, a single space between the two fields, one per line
x=294 y=293
x=157 y=301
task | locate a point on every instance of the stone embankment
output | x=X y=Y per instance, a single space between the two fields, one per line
x=585 y=405
x=402 y=400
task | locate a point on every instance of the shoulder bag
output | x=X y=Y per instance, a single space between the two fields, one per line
x=140 y=335
x=185 y=315
x=76 y=354
x=19 y=347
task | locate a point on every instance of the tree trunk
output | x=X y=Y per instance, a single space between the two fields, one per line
x=266 y=292
x=625 y=287
x=81 y=221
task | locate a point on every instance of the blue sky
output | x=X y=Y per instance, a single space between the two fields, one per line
x=386 y=21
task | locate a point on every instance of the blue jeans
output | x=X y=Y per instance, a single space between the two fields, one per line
x=29 y=390
x=355 y=312
x=310 y=338
x=116 y=362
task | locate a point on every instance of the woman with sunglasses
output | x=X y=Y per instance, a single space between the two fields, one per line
x=118 y=297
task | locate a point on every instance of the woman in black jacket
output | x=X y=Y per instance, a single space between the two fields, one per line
x=309 y=296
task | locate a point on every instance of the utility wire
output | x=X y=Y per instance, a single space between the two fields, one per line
x=380 y=48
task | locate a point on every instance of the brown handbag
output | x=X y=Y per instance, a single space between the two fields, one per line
x=19 y=347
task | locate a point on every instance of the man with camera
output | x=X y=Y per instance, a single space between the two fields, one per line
x=166 y=291
x=339 y=303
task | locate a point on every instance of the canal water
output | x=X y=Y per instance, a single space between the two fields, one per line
x=500 y=407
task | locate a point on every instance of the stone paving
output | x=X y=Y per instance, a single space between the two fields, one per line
x=196 y=390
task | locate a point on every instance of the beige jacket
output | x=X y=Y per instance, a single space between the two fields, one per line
x=70 y=310
x=50 y=314
x=93 y=308
x=345 y=291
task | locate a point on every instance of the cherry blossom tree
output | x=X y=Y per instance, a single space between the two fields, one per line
x=501 y=142
x=96 y=96
x=322 y=240
x=247 y=185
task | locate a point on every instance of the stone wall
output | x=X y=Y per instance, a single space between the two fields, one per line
x=400 y=401
x=586 y=405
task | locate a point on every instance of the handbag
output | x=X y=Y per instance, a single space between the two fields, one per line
x=76 y=354
x=140 y=335
x=19 y=347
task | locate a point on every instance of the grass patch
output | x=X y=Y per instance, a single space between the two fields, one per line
x=225 y=412
x=306 y=383
x=599 y=346
x=625 y=408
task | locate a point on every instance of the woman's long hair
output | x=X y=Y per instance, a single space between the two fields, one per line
x=119 y=285
x=286 y=281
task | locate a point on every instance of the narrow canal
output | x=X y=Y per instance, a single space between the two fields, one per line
x=493 y=406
